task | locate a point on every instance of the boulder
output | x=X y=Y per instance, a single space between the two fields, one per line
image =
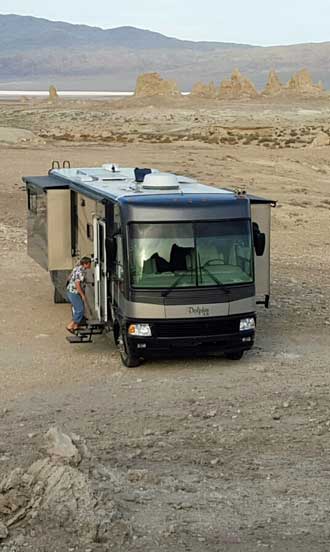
x=237 y=87
x=322 y=139
x=274 y=85
x=60 y=447
x=302 y=83
x=9 y=135
x=201 y=90
x=60 y=497
x=151 y=84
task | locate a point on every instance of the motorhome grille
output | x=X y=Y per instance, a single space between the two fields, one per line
x=196 y=328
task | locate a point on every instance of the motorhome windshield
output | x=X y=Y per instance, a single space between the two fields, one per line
x=179 y=255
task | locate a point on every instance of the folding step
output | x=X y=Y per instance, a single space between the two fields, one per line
x=95 y=324
x=79 y=338
x=95 y=327
x=84 y=335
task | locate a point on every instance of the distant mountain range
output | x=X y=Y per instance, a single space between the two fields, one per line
x=36 y=52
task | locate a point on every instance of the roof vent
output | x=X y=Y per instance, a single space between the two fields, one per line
x=160 y=181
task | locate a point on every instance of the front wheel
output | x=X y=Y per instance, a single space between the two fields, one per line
x=128 y=358
x=234 y=355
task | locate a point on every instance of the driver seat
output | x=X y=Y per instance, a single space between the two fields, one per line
x=209 y=253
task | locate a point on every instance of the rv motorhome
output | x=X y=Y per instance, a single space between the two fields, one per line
x=177 y=265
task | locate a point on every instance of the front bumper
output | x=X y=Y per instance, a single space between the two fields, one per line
x=184 y=336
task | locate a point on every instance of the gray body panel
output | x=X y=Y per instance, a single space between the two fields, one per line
x=37 y=234
x=147 y=311
x=189 y=207
x=58 y=236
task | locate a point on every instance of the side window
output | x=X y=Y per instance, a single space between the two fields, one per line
x=32 y=201
x=89 y=231
x=119 y=258
x=101 y=242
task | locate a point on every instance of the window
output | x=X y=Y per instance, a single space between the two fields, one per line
x=89 y=231
x=163 y=255
x=119 y=257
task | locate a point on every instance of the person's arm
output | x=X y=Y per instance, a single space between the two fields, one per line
x=80 y=290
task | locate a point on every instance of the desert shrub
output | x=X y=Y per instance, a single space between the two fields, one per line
x=228 y=140
x=250 y=138
x=290 y=141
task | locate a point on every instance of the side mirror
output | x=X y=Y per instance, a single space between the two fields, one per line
x=259 y=240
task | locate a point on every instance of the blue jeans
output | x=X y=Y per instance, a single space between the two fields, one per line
x=77 y=306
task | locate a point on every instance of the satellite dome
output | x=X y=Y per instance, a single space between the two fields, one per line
x=160 y=181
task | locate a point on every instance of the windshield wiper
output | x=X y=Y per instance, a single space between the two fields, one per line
x=214 y=278
x=174 y=285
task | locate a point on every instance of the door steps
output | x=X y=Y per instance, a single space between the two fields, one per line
x=85 y=333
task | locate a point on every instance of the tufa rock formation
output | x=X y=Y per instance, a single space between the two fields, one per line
x=151 y=84
x=54 y=491
x=321 y=139
x=53 y=95
x=274 y=85
x=301 y=83
x=237 y=87
x=202 y=90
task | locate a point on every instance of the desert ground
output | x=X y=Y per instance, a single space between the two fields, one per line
x=193 y=454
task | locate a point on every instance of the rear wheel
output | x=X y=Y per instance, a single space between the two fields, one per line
x=128 y=358
x=234 y=355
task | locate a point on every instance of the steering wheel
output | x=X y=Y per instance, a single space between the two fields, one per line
x=213 y=262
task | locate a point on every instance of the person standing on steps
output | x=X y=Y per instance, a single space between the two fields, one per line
x=76 y=293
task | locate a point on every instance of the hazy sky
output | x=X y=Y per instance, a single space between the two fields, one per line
x=263 y=22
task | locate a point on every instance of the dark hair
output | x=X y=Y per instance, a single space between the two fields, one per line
x=85 y=260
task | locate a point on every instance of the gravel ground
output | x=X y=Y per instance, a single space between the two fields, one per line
x=196 y=453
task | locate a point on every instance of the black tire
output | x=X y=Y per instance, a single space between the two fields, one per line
x=234 y=355
x=128 y=358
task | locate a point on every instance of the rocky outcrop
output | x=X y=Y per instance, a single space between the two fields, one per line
x=53 y=95
x=237 y=87
x=151 y=84
x=10 y=135
x=302 y=83
x=55 y=492
x=274 y=85
x=60 y=447
x=322 y=139
x=201 y=90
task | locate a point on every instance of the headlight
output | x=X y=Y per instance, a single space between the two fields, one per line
x=247 y=324
x=139 y=330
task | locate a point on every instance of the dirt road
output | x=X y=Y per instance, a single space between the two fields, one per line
x=196 y=454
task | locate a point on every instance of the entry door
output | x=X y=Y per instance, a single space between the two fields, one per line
x=100 y=270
